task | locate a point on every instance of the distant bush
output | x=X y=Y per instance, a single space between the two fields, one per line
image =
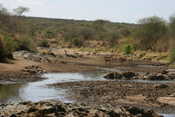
x=151 y=30
x=77 y=42
x=2 y=51
x=25 y=43
x=43 y=43
x=10 y=45
x=172 y=26
x=128 y=49
x=112 y=39
x=172 y=55
x=50 y=34
x=7 y=46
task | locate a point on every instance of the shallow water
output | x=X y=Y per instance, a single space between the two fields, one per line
x=37 y=91
x=168 y=115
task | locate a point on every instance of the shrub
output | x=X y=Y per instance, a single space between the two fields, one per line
x=2 y=51
x=10 y=46
x=43 y=43
x=25 y=43
x=151 y=29
x=7 y=46
x=50 y=34
x=172 y=55
x=77 y=42
x=128 y=49
x=172 y=26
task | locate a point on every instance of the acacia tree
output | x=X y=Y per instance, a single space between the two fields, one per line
x=21 y=10
x=3 y=10
x=150 y=31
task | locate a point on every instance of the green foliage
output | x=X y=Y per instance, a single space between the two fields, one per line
x=128 y=49
x=50 y=34
x=172 y=26
x=7 y=46
x=172 y=55
x=10 y=46
x=2 y=51
x=25 y=43
x=150 y=31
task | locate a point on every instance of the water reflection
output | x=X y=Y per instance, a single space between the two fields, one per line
x=37 y=91
x=8 y=93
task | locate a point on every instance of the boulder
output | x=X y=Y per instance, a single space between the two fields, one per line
x=161 y=86
x=157 y=77
x=113 y=76
x=119 y=76
x=129 y=75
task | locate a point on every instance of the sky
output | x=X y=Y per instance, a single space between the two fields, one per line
x=114 y=10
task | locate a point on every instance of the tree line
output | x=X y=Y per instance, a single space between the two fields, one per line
x=19 y=33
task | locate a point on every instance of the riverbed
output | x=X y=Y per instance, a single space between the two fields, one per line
x=39 y=90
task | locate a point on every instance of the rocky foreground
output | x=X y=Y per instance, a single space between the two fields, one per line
x=156 y=96
x=58 y=109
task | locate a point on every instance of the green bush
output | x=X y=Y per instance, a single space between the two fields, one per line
x=10 y=46
x=7 y=46
x=50 y=34
x=151 y=30
x=172 y=55
x=128 y=49
x=2 y=51
x=25 y=43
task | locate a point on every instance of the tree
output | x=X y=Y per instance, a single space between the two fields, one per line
x=150 y=31
x=3 y=10
x=172 y=26
x=21 y=10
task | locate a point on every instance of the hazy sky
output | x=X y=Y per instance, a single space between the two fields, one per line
x=114 y=10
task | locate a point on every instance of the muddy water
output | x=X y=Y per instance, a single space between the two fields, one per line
x=37 y=91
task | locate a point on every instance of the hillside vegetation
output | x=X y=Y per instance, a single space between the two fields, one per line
x=26 y=33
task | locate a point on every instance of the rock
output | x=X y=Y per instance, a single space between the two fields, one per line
x=58 y=109
x=129 y=75
x=135 y=110
x=34 y=69
x=113 y=76
x=119 y=76
x=161 y=86
x=164 y=72
x=157 y=77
